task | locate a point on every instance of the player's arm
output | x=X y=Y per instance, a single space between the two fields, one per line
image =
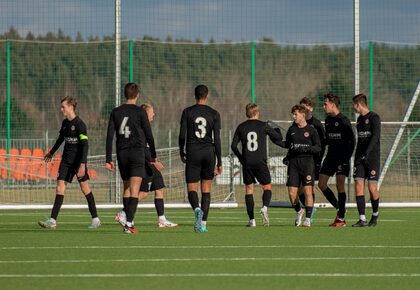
x=57 y=145
x=376 y=135
x=274 y=134
x=148 y=133
x=316 y=143
x=349 y=138
x=286 y=143
x=181 y=137
x=109 y=138
x=321 y=134
x=217 y=142
x=234 y=146
x=83 y=139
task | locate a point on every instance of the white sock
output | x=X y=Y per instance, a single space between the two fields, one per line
x=129 y=224
x=265 y=208
x=162 y=218
x=53 y=220
x=362 y=217
x=95 y=220
x=307 y=220
x=197 y=208
x=203 y=222
x=375 y=213
x=252 y=221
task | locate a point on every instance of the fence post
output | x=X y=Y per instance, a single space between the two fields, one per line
x=252 y=72
x=8 y=143
x=371 y=75
x=130 y=57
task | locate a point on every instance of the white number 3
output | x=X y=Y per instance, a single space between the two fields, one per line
x=201 y=127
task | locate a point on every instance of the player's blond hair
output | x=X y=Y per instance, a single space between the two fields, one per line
x=146 y=106
x=252 y=110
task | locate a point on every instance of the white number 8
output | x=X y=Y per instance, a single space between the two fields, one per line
x=252 y=143
x=201 y=127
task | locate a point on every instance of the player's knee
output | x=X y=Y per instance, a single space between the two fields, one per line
x=60 y=189
x=322 y=185
x=266 y=186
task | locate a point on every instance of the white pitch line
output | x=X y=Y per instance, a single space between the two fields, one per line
x=201 y=275
x=122 y=247
x=235 y=259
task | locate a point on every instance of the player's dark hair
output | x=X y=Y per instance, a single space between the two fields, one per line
x=306 y=101
x=330 y=97
x=131 y=90
x=300 y=108
x=71 y=101
x=360 y=99
x=251 y=110
x=201 y=92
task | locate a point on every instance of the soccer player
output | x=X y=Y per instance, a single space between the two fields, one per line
x=367 y=159
x=133 y=133
x=74 y=134
x=303 y=142
x=154 y=182
x=199 y=141
x=340 y=141
x=311 y=120
x=252 y=135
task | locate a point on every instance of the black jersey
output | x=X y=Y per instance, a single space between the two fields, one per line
x=368 y=136
x=200 y=124
x=339 y=137
x=321 y=134
x=301 y=142
x=252 y=135
x=74 y=134
x=133 y=130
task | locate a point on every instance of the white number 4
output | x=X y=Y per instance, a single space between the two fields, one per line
x=125 y=130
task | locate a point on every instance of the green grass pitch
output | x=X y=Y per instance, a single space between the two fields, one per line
x=229 y=256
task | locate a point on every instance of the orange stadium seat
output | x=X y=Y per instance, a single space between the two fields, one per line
x=38 y=166
x=3 y=163
x=14 y=157
x=55 y=164
x=24 y=163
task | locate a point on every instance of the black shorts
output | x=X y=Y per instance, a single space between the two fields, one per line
x=367 y=170
x=67 y=171
x=152 y=182
x=301 y=171
x=131 y=163
x=332 y=165
x=200 y=163
x=260 y=174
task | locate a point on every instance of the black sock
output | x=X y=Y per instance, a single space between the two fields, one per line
x=132 y=208
x=341 y=204
x=302 y=198
x=375 y=205
x=159 y=206
x=193 y=199
x=309 y=211
x=91 y=204
x=329 y=195
x=126 y=200
x=249 y=201
x=205 y=204
x=296 y=206
x=361 y=204
x=266 y=197
x=57 y=205
x=313 y=197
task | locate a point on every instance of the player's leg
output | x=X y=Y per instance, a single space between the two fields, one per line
x=205 y=202
x=249 y=202
x=328 y=169
x=341 y=189
x=309 y=204
x=301 y=195
x=87 y=192
x=374 y=199
x=266 y=199
x=84 y=186
x=157 y=186
x=51 y=223
x=121 y=216
x=293 y=183
x=359 y=188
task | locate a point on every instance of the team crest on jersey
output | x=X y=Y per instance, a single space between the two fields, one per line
x=372 y=172
x=336 y=124
x=306 y=134
x=72 y=127
x=308 y=177
x=339 y=167
x=367 y=121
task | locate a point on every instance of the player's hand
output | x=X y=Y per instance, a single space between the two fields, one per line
x=286 y=161
x=110 y=166
x=158 y=165
x=183 y=159
x=218 y=170
x=48 y=157
x=82 y=170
